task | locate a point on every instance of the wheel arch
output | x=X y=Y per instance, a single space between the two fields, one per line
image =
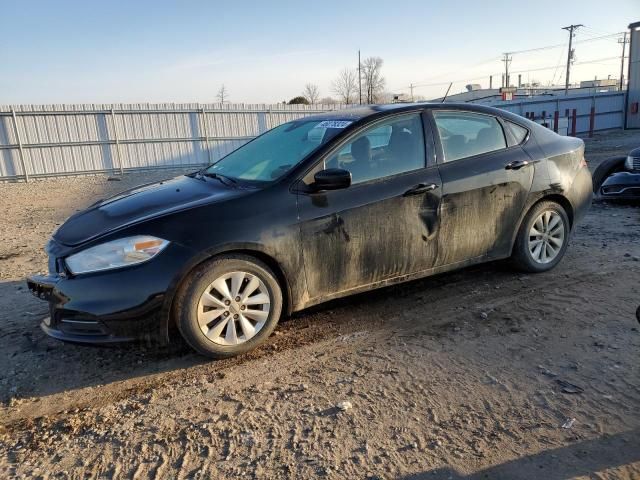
x=544 y=197
x=167 y=320
x=563 y=202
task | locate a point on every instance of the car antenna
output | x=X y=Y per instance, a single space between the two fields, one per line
x=447 y=94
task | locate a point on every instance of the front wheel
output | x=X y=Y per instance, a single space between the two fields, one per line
x=228 y=306
x=542 y=239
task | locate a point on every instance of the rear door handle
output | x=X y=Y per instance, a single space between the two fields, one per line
x=420 y=188
x=518 y=164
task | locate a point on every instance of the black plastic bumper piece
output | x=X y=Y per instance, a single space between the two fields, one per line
x=89 y=338
x=621 y=185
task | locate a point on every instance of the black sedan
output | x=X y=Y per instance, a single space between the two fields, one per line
x=315 y=209
x=618 y=178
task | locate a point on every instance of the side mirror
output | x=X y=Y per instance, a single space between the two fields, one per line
x=332 y=179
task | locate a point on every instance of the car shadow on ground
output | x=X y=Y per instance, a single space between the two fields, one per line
x=574 y=460
x=35 y=365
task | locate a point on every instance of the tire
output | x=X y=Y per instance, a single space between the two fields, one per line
x=193 y=308
x=606 y=168
x=523 y=257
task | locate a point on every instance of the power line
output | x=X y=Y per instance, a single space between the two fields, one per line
x=425 y=82
x=539 y=69
x=483 y=62
x=599 y=33
x=586 y=62
x=559 y=45
x=555 y=72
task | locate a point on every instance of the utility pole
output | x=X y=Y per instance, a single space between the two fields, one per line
x=624 y=42
x=359 y=77
x=507 y=61
x=570 y=29
x=411 y=87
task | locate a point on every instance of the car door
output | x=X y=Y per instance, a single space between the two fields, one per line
x=486 y=178
x=385 y=224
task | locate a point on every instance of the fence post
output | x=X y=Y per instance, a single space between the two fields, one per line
x=20 y=149
x=262 y=122
x=592 y=121
x=205 y=130
x=115 y=135
x=574 y=121
x=556 y=120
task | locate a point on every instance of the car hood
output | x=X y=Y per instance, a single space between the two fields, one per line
x=142 y=203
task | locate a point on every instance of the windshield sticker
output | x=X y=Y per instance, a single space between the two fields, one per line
x=334 y=124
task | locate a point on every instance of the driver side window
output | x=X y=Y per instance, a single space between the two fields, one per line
x=385 y=149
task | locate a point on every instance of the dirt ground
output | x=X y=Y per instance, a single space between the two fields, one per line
x=481 y=373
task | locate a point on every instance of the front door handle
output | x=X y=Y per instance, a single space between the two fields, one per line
x=518 y=164
x=420 y=188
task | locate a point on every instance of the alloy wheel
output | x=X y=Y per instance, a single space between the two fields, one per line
x=233 y=308
x=546 y=236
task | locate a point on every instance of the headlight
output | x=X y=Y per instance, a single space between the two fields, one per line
x=116 y=254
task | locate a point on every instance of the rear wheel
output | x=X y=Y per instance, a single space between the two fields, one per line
x=542 y=239
x=228 y=306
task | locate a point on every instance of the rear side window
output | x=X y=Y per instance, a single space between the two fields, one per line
x=517 y=132
x=465 y=134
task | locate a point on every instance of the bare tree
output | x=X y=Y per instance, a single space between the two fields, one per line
x=346 y=86
x=328 y=101
x=311 y=92
x=222 y=94
x=372 y=77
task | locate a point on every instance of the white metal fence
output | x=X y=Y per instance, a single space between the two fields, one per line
x=593 y=111
x=54 y=140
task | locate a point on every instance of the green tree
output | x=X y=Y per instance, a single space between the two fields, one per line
x=299 y=100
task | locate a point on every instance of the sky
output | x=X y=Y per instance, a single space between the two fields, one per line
x=266 y=51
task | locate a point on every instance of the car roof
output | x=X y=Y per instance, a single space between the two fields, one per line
x=362 y=112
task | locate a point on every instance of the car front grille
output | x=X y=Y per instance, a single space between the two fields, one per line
x=635 y=163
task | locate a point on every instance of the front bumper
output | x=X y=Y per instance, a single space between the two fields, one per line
x=111 y=306
x=68 y=328
x=73 y=320
x=621 y=186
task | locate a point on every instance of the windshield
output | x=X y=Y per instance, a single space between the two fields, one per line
x=273 y=154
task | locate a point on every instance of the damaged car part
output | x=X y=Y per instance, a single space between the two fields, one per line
x=618 y=178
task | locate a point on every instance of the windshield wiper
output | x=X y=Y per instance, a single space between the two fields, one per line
x=222 y=178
